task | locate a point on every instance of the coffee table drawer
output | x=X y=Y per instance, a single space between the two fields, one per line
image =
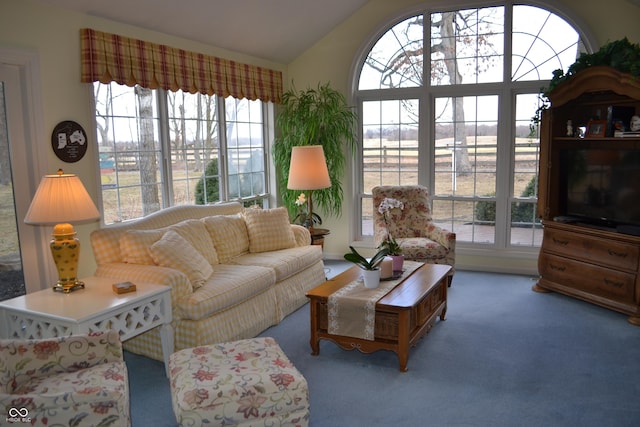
x=430 y=304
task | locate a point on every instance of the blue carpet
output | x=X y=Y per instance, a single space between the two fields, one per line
x=505 y=356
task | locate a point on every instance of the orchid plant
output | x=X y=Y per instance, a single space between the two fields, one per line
x=303 y=218
x=366 y=263
x=390 y=243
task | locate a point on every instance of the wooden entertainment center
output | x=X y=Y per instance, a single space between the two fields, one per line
x=598 y=263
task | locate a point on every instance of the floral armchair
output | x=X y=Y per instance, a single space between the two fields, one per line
x=412 y=227
x=68 y=381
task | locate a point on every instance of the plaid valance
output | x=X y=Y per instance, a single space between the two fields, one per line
x=110 y=57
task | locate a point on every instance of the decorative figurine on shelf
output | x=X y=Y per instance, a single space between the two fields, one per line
x=634 y=125
x=569 y=128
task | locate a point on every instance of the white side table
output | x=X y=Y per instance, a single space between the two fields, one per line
x=46 y=314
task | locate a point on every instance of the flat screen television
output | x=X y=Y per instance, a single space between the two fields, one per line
x=601 y=187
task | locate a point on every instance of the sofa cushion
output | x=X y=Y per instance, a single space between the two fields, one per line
x=135 y=244
x=195 y=232
x=285 y=262
x=421 y=248
x=228 y=286
x=228 y=234
x=268 y=229
x=174 y=251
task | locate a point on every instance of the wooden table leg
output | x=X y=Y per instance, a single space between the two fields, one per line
x=443 y=314
x=315 y=346
x=403 y=339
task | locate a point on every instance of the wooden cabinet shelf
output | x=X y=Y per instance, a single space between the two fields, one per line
x=595 y=263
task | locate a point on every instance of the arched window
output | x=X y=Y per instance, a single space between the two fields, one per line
x=446 y=100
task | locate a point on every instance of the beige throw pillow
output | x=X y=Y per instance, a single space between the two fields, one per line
x=269 y=229
x=195 y=232
x=174 y=251
x=135 y=244
x=229 y=236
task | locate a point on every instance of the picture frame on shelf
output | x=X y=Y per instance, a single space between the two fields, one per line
x=596 y=128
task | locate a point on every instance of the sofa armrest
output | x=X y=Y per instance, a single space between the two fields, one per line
x=301 y=234
x=176 y=280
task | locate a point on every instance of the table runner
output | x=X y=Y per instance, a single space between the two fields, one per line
x=351 y=309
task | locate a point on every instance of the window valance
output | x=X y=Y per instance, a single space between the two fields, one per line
x=110 y=57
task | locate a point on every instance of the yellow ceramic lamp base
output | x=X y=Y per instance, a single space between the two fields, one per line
x=65 y=249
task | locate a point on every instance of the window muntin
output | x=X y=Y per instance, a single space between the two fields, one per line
x=245 y=148
x=129 y=151
x=469 y=61
x=193 y=142
x=465 y=170
x=467 y=46
x=525 y=227
x=542 y=42
x=159 y=149
x=396 y=60
x=390 y=152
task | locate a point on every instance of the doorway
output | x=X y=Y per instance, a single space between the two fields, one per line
x=11 y=272
x=22 y=166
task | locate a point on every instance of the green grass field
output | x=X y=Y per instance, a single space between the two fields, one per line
x=9 y=238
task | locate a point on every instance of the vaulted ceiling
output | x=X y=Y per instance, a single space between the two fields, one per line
x=277 y=30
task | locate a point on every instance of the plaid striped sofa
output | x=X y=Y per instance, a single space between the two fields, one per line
x=233 y=272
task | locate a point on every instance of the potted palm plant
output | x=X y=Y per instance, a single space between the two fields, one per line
x=370 y=267
x=315 y=116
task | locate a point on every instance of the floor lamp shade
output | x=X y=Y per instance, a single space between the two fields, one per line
x=308 y=169
x=60 y=200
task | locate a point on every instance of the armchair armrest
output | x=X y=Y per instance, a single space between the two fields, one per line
x=176 y=280
x=442 y=236
x=21 y=360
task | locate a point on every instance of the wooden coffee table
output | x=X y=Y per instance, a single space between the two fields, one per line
x=402 y=316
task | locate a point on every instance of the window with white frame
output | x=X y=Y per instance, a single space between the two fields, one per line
x=162 y=148
x=446 y=100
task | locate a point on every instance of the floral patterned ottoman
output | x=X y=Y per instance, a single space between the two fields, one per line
x=241 y=383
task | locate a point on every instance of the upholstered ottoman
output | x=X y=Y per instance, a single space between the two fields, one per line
x=241 y=383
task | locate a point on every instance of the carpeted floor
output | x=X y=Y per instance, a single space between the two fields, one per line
x=11 y=284
x=505 y=356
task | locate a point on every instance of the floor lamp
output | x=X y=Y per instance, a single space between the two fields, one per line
x=60 y=200
x=308 y=172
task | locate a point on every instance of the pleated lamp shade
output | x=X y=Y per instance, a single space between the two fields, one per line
x=61 y=198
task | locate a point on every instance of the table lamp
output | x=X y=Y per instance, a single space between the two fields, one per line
x=308 y=171
x=59 y=200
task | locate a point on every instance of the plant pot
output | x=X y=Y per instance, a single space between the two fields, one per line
x=398 y=262
x=371 y=278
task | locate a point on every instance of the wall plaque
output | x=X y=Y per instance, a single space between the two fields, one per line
x=69 y=141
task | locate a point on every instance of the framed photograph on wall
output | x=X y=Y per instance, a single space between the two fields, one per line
x=596 y=128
